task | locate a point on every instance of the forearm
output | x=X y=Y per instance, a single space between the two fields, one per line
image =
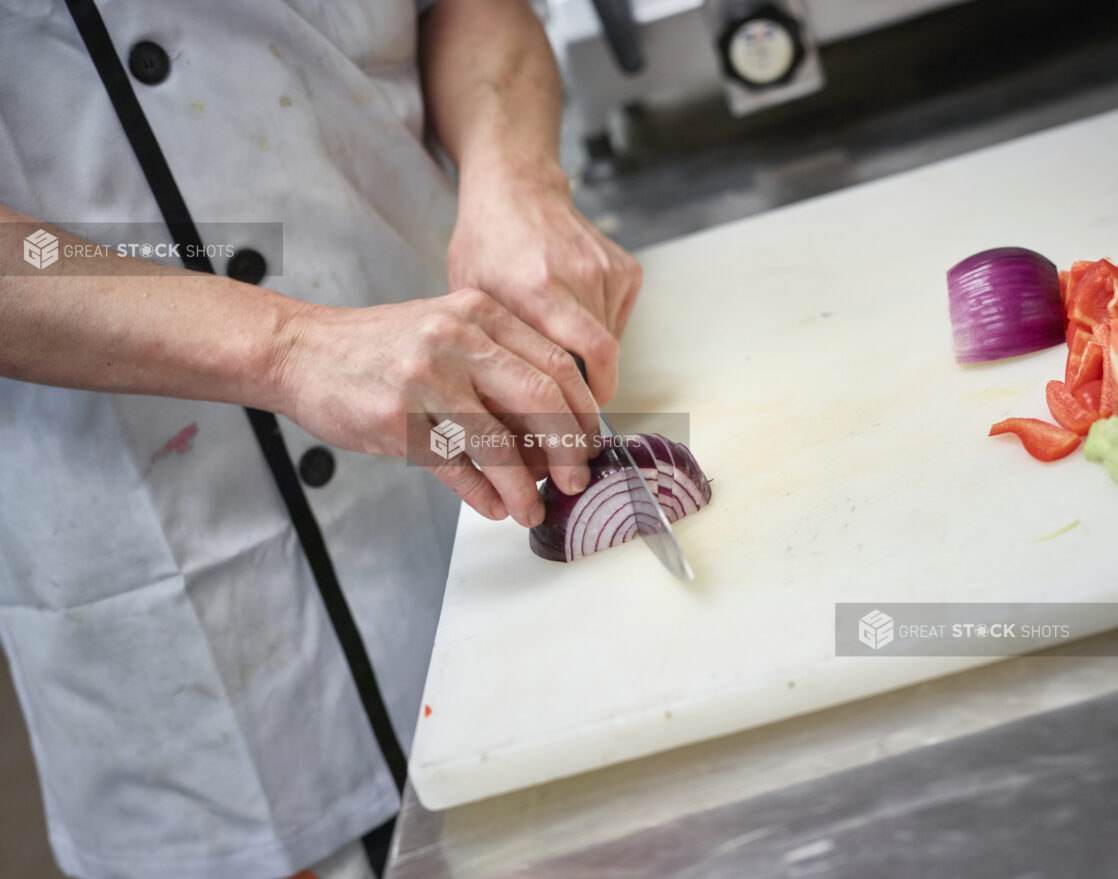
x=492 y=88
x=493 y=98
x=163 y=331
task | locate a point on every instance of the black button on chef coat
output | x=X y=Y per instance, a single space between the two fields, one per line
x=149 y=63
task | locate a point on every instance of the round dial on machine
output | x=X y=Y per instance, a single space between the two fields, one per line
x=763 y=48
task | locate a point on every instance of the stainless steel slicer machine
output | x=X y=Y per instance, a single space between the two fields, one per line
x=616 y=54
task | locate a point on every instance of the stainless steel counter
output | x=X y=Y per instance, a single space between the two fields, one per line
x=1010 y=764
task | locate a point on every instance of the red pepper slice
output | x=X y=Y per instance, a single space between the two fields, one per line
x=1071 y=330
x=1078 y=270
x=1078 y=339
x=1044 y=441
x=1090 y=367
x=1089 y=395
x=1088 y=301
x=1067 y=410
x=1108 y=395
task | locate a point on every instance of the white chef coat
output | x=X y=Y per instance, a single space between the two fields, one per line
x=191 y=713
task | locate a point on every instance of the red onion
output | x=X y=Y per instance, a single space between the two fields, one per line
x=604 y=514
x=1004 y=302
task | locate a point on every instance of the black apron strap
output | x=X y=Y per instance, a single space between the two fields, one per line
x=264 y=424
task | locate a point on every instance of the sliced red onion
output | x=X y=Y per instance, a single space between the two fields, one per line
x=1004 y=302
x=605 y=515
x=642 y=447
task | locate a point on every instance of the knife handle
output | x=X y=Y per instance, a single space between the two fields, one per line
x=581 y=364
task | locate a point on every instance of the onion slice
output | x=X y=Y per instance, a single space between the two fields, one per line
x=604 y=514
x=1004 y=302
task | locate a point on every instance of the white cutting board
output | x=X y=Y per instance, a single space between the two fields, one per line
x=811 y=347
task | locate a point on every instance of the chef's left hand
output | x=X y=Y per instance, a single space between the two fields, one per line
x=520 y=239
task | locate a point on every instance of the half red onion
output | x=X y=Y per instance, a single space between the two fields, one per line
x=1004 y=302
x=604 y=514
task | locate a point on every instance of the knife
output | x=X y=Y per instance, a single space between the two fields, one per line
x=652 y=525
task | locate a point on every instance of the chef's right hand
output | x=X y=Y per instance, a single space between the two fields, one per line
x=351 y=376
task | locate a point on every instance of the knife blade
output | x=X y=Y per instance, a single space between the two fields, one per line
x=652 y=525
